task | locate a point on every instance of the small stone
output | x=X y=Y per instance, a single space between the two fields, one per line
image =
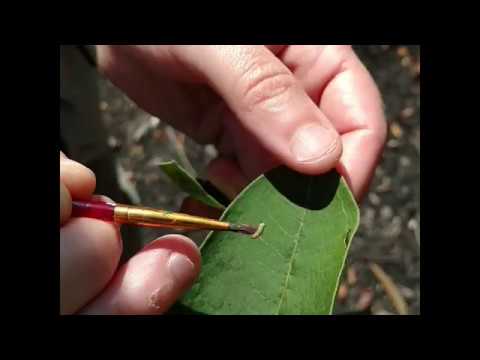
x=154 y=122
x=351 y=276
x=386 y=212
x=374 y=199
x=136 y=151
x=141 y=131
x=342 y=292
x=415 y=69
x=402 y=51
x=385 y=185
x=103 y=105
x=406 y=292
x=412 y=224
x=405 y=161
x=113 y=142
x=394 y=228
x=365 y=299
x=406 y=61
x=383 y=312
x=368 y=218
x=211 y=151
x=407 y=112
x=396 y=130
x=404 y=190
x=393 y=143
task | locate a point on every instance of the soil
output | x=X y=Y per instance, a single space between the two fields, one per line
x=389 y=234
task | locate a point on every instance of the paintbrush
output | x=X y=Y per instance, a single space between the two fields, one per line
x=149 y=217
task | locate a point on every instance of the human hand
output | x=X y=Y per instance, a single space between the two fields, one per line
x=91 y=281
x=260 y=105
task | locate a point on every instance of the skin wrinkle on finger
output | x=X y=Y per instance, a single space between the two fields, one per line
x=313 y=66
x=265 y=85
x=331 y=148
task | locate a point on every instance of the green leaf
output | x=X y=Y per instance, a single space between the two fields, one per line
x=188 y=184
x=295 y=265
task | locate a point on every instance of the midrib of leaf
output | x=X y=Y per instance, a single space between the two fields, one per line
x=294 y=251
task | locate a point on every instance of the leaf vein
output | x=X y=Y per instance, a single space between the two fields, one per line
x=279 y=226
x=294 y=251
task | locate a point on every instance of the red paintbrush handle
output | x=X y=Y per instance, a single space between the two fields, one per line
x=93 y=209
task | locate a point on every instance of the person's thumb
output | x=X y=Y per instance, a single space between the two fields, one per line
x=269 y=102
x=152 y=280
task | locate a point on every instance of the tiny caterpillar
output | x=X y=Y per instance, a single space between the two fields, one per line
x=259 y=231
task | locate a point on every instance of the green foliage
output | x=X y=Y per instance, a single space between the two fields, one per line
x=188 y=184
x=295 y=265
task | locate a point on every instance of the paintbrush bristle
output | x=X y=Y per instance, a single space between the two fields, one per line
x=246 y=229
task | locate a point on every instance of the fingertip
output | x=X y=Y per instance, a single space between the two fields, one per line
x=314 y=149
x=152 y=280
x=78 y=178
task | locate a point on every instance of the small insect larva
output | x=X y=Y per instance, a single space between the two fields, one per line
x=259 y=231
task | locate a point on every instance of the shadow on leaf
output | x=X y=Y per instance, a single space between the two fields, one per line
x=292 y=185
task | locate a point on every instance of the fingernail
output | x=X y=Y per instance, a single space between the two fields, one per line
x=312 y=142
x=181 y=268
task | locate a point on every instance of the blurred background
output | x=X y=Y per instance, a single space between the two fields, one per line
x=103 y=129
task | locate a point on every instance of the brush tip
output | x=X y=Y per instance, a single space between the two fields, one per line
x=255 y=232
x=246 y=229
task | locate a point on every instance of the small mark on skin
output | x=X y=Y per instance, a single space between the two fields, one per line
x=259 y=231
x=160 y=296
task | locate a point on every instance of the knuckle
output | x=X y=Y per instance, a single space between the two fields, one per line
x=265 y=83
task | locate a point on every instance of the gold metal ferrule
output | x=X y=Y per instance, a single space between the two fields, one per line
x=143 y=216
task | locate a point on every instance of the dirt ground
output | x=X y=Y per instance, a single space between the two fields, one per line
x=389 y=234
